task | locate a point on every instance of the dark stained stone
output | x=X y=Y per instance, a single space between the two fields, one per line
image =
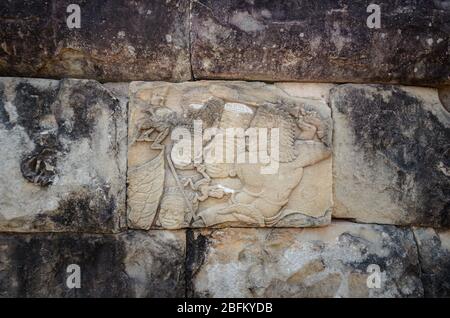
x=319 y=41
x=63 y=158
x=25 y=26
x=434 y=254
x=136 y=264
x=391 y=155
x=118 y=40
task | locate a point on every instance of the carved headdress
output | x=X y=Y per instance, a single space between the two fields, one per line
x=274 y=116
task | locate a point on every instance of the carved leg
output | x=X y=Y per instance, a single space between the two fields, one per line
x=145 y=136
x=189 y=182
x=202 y=170
x=227 y=213
x=203 y=196
x=160 y=138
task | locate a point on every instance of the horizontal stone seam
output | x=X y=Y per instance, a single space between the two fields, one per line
x=265 y=81
x=404 y=226
x=342 y=220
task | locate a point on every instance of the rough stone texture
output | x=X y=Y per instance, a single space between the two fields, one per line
x=134 y=264
x=63 y=156
x=119 y=40
x=325 y=40
x=169 y=194
x=444 y=96
x=434 y=253
x=391 y=155
x=325 y=262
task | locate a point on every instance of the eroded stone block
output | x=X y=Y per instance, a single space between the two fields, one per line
x=63 y=156
x=288 y=124
x=340 y=260
x=134 y=264
x=391 y=155
x=434 y=252
x=117 y=40
x=322 y=41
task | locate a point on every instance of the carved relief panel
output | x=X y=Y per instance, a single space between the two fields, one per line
x=215 y=154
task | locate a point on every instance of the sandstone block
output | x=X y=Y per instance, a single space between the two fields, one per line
x=117 y=40
x=189 y=165
x=63 y=156
x=391 y=155
x=322 y=41
x=134 y=264
x=340 y=260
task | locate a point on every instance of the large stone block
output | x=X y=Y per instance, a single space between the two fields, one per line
x=391 y=155
x=63 y=155
x=434 y=254
x=323 y=41
x=134 y=264
x=340 y=260
x=288 y=124
x=118 y=40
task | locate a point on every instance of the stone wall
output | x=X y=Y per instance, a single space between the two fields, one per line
x=353 y=200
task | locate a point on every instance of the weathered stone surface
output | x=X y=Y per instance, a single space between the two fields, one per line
x=324 y=262
x=63 y=156
x=36 y=41
x=434 y=254
x=444 y=96
x=134 y=264
x=391 y=155
x=292 y=189
x=323 y=41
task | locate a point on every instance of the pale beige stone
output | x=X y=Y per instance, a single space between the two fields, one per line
x=293 y=190
x=444 y=96
x=340 y=260
x=63 y=155
x=390 y=155
x=319 y=91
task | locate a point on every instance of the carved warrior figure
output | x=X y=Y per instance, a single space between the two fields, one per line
x=162 y=120
x=147 y=193
x=261 y=198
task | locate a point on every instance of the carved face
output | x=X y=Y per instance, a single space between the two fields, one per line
x=172 y=210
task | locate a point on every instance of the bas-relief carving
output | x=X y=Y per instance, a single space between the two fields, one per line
x=200 y=193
